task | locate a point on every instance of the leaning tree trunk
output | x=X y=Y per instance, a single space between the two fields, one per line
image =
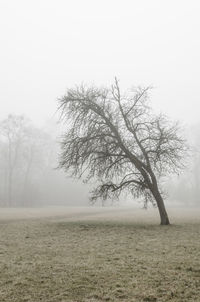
x=164 y=220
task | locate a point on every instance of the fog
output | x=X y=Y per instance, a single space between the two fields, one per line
x=49 y=46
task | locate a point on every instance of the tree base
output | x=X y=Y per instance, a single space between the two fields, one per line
x=165 y=222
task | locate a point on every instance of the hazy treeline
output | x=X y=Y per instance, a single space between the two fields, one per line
x=186 y=187
x=29 y=174
x=28 y=162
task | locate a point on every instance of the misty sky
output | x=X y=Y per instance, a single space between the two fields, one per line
x=48 y=46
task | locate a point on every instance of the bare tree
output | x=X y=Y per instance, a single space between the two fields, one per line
x=24 y=152
x=12 y=130
x=187 y=187
x=118 y=140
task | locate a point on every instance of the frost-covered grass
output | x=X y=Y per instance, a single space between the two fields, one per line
x=100 y=256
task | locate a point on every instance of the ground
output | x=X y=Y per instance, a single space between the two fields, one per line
x=93 y=254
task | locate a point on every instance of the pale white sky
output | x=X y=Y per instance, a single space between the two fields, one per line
x=50 y=45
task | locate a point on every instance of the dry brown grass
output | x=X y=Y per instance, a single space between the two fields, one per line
x=99 y=255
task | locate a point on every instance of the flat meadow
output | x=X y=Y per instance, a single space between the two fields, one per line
x=99 y=254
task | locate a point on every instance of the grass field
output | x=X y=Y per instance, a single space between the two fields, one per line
x=96 y=254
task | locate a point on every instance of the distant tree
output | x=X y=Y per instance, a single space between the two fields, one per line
x=24 y=156
x=12 y=133
x=195 y=171
x=186 y=188
x=118 y=140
